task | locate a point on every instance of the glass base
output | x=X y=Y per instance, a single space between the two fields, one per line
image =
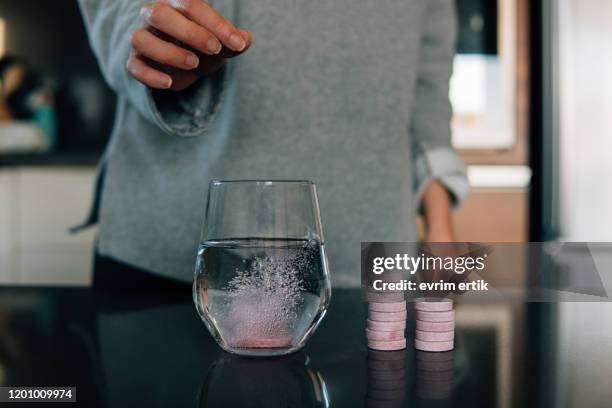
x=260 y=352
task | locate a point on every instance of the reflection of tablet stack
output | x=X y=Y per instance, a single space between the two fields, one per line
x=386 y=379
x=434 y=374
x=435 y=324
x=386 y=323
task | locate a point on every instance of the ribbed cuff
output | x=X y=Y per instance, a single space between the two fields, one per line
x=191 y=112
x=442 y=164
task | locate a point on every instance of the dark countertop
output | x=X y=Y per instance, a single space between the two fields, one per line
x=148 y=348
x=67 y=158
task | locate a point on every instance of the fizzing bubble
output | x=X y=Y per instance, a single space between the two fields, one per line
x=263 y=302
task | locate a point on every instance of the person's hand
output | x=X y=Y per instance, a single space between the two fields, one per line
x=438 y=214
x=439 y=272
x=181 y=41
x=439 y=239
x=442 y=233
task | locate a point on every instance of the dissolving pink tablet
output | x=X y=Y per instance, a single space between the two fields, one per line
x=265 y=342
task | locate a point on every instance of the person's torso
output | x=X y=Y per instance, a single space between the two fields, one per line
x=325 y=93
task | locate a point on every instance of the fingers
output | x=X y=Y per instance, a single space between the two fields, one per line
x=149 y=45
x=153 y=78
x=248 y=38
x=169 y=21
x=181 y=40
x=203 y=14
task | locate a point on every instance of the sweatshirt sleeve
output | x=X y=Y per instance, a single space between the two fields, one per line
x=109 y=24
x=433 y=156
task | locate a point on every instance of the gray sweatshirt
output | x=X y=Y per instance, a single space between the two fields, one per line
x=352 y=94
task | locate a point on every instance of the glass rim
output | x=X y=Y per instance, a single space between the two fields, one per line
x=261 y=181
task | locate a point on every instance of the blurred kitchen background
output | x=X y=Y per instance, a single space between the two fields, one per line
x=531 y=92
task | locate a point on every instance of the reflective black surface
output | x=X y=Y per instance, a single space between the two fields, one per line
x=146 y=347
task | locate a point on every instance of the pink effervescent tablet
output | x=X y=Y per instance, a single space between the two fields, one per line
x=387 y=316
x=384 y=335
x=386 y=326
x=387 y=307
x=434 y=345
x=434 y=336
x=431 y=304
x=435 y=326
x=265 y=342
x=448 y=316
x=387 y=345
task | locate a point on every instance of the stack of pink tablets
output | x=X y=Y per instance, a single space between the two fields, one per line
x=435 y=324
x=386 y=325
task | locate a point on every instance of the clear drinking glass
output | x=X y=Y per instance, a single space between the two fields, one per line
x=262 y=281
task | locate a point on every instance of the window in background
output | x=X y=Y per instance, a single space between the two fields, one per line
x=489 y=84
x=489 y=92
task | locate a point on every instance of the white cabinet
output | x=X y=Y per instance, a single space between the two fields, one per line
x=40 y=204
x=6 y=227
x=52 y=201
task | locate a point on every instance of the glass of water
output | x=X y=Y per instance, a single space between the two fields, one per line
x=261 y=280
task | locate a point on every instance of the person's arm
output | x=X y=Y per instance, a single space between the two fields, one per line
x=437 y=211
x=440 y=182
x=144 y=64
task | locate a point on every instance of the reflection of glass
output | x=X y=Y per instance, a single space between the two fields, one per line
x=262 y=283
x=284 y=382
